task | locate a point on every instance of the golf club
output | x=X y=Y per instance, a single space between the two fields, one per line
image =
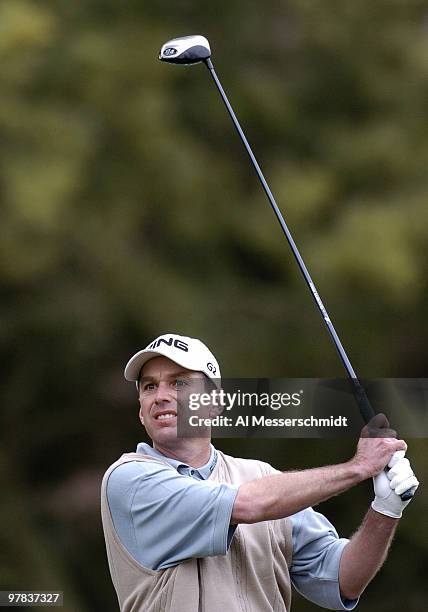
x=189 y=50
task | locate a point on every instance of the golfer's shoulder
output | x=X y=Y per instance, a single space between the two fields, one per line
x=133 y=466
x=131 y=473
x=248 y=468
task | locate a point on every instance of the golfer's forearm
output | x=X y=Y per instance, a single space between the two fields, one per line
x=280 y=495
x=365 y=553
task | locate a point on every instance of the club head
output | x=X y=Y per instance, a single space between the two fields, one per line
x=185 y=50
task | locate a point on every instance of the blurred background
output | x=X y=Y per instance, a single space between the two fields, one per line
x=129 y=209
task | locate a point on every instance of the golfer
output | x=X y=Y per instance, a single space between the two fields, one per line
x=188 y=528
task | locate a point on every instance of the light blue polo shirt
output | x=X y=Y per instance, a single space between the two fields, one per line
x=164 y=516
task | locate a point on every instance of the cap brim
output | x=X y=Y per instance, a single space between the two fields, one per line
x=134 y=365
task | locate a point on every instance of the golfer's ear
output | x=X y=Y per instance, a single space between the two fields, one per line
x=215 y=410
x=140 y=414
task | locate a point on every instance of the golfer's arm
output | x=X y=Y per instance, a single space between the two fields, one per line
x=365 y=553
x=279 y=495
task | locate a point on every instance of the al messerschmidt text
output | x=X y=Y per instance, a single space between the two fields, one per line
x=257 y=421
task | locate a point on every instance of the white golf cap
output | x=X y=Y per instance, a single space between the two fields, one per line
x=190 y=353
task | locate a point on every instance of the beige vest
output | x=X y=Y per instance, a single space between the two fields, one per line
x=252 y=577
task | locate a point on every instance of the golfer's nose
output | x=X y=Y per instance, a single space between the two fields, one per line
x=163 y=394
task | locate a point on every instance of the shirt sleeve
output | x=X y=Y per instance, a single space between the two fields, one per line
x=317 y=550
x=163 y=518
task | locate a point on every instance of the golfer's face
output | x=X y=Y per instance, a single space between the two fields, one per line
x=161 y=380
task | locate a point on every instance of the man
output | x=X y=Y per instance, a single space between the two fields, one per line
x=188 y=528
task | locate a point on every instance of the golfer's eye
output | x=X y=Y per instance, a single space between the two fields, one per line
x=149 y=386
x=179 y=383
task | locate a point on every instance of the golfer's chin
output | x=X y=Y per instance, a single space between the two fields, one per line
x=164 y=433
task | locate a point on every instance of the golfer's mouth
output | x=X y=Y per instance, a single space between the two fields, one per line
x=165 y=416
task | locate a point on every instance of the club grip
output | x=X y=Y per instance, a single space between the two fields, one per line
x=407 y=494
x=367 y=412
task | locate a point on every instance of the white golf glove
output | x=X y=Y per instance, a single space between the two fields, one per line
x=389 y=485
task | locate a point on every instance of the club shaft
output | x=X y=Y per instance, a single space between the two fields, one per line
x=364 y=404
x=366 y=409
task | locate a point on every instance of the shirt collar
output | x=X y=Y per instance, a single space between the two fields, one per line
x=202 y=472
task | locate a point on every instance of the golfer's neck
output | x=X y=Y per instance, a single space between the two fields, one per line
x=195 y=452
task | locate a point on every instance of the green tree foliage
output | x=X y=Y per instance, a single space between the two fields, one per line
x=128 y=209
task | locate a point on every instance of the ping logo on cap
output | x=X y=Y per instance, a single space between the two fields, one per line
x=183 y=346
x=211 y=367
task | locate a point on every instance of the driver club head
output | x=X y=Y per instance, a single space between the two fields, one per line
x=186 y=50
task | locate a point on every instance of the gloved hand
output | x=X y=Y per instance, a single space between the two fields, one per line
x=389 y=485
